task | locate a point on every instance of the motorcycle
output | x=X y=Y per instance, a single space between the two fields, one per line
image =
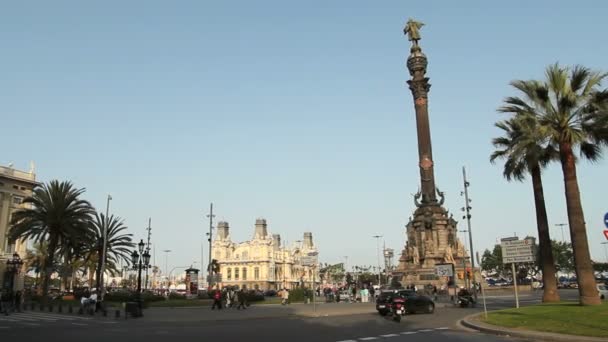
x=398 y=308
x=465 y=301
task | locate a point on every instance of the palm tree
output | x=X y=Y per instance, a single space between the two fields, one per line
x=573 y=115
x=118 y=247
x=34 y=260
x=526 y=151
x=57 y=214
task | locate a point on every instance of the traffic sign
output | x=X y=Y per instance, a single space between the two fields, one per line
x=309 y=260
x=606 y=220
x=606 y=234
x=444 y=270
x=516 y=251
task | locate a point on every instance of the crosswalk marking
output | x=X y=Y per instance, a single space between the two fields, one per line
x=31 y=318
x=408 y=332
x=389 y=335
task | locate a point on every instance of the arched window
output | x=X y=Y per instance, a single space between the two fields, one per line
x=244 y=273
x=236 y=273
x=229 y=273
x=256 y=273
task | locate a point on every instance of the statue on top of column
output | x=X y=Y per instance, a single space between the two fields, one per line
x=412 y=30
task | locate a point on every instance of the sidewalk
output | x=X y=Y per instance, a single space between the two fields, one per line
x=471 y=322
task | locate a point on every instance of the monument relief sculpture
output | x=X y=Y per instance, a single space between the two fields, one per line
x=448 y=258
x=415 y=256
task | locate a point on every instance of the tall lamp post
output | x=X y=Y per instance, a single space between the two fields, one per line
x=140 y=261
x=562 y=225
x=377 y=237
x=105 y=246
x=12 y=269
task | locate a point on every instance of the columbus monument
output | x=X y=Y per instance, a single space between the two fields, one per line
x=431 y=232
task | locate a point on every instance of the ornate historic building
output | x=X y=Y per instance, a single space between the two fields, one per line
x=262 y=262
x=15 y=186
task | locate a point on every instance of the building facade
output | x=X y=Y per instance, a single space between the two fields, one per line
x=263 y=263
x=15 y=186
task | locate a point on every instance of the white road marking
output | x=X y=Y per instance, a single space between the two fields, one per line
x=348 y=341
x=32 y=324
x=389 y=335
x=368 y=338
x=425 y=330
x=442 y=328
x=408 y=332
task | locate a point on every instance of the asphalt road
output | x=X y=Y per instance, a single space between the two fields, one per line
x=262 y=322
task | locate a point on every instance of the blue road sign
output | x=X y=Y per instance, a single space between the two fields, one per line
x=606 y=220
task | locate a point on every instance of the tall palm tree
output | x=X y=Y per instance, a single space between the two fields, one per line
x=526 y=151
x=57 y=214
x=573 y=114
x=118 y=247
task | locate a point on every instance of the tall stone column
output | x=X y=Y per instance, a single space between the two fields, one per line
x=419 y=86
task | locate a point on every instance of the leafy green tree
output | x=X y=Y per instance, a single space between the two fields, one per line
x=572 y=111
x=563 y=256
x=56 y=214
x=527 y=151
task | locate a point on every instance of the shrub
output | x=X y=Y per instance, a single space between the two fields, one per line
x=175 y=295
x=298 y=294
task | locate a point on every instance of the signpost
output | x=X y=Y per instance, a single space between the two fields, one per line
x=311 y=260
x=483 y=294
x=516 y=251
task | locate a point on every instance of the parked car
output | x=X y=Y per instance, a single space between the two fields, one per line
x=603 y=290
x=414 y=303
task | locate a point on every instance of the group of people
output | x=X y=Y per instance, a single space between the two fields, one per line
x=10 y=301
x=228 y=298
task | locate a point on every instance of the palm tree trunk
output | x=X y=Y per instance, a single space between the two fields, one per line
x=544 y=240
x=578 y=232
x=98 y=270
x=48 y=268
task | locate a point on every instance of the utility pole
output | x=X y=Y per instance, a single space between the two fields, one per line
x=468 y=213
x=377 y=237
x=167 y=251
x=210 y=235
x=105 y=246
x=149 y=229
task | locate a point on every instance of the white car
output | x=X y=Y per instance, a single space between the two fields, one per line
x=603 y=289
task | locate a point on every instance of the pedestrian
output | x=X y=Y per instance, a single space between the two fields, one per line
x=18 y=300
x=217 y=300
x=241 y=298
x=435 y=292
x=285 y=296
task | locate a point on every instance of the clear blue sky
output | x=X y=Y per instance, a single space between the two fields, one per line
x=293 y=111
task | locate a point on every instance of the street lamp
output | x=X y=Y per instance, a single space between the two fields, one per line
x=562 y=226
x=12 y=268
x=140 y=261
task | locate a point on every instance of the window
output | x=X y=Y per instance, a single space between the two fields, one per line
x=229 y=273
x=256 y=273
x=15 y=187
x=244 y=273
x=17 y=200
x=1 y=184
x=23 y=188
x=236 y=273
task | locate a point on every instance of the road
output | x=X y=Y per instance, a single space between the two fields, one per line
x=294 y=323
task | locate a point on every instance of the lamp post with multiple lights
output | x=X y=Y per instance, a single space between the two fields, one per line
x=140 y=262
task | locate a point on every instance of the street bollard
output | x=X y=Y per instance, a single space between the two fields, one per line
x=50 y=307
x=60 y=308
x=70 y=309
x=105 y=313
x=117 y=314
x=32 y=306
x=80 y=311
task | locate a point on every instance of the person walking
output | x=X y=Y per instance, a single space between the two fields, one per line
x=285 y=296
x=241 y=298
x=217 y=300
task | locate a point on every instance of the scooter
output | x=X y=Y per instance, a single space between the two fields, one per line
x=398 y=308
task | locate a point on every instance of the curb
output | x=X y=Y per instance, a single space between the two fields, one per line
x=468 y=323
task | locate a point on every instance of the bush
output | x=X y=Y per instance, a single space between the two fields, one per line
x=299 y=294
x=254 y=296
x=203 y=294
x=175 y=295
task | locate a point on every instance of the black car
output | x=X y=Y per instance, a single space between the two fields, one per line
x=414 y=303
